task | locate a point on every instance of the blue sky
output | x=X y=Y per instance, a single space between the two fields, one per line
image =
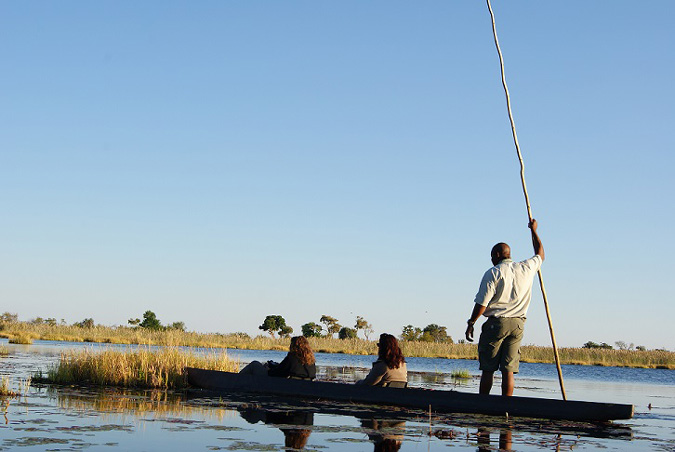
x=216 y=162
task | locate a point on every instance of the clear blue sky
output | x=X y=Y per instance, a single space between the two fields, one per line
x=216 y=162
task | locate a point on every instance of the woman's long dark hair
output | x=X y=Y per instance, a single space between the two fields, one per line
x=300 y=348
x=389 y=351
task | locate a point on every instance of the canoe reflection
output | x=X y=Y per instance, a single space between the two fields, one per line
x=295 y=437
x=386 y=435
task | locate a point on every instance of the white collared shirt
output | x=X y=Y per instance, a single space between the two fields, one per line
x=506 y=288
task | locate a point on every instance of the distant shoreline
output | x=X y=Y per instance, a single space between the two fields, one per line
x=25 y=332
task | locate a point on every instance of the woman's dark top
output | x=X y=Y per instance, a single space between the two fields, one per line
x=291 y=367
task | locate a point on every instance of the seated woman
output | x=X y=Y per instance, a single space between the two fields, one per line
x=298 y=363
x=390 y=365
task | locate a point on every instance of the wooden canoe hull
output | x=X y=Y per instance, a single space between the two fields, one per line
x=440 y=401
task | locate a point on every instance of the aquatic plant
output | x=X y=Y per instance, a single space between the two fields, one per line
x=4 y=350
x=460 y=374
x=21 y=338
x=5 y=387
x=145 y=368
x=5 y=390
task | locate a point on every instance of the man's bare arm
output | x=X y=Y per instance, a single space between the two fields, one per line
x=536 y=241
x=478 y=310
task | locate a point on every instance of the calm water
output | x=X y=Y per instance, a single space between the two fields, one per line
x=75 y=418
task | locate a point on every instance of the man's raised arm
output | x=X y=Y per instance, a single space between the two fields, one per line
x=536 y=241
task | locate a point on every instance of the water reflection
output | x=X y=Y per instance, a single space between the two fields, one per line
x=289 y=422
x=483 y=435
x=386 y=435
x=128 y=402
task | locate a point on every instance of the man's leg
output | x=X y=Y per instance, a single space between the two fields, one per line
x=486 y=379
x=508 y=382
x=510 y=358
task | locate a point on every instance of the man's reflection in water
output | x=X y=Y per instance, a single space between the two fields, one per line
x=386 y=435
x=483 y=435
x=294 y=437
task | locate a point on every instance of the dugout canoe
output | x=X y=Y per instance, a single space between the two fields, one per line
x=440 y=401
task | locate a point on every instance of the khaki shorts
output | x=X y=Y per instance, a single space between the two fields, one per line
x=499 y=344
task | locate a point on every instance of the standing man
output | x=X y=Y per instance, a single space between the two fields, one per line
x=504 y=296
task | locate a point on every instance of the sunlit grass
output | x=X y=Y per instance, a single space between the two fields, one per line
x=131 y=335
x=21 y=338
x=7 y=391
x=460 y=374
x=163 y=368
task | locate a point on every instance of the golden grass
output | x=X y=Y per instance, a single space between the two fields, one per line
x=21 y=338
x=5 y=387
x=163 y=368
x=4 y=350
x=5 y=390
x=130 y=335
x=462 y=374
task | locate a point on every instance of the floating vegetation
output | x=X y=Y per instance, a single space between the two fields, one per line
x=7 y=391
x=164 y=368
x=4 y=350
x=460 y=374
x=21 y=338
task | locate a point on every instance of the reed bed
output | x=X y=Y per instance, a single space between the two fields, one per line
x=163 y=369
x=4 y=350
x=7 y=391
x=461 y=374
x=134 y=335
x=21 y=338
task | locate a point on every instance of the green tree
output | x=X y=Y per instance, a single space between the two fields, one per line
x=435 y=333
x=411 y=333
x=285 y=331
x=272 y=324
x=51 y=321
x=591 y=344
x=311 y=329
x=332 y=325
x=150 y=321
x=362 y=324
x=180 y=326
x=86 y=323
x=134 y=322
x=347 y=333
x=9 y=317
x=37 y=321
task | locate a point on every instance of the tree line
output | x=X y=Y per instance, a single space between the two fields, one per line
x=150 y=322
x=620 y=345
x=276 y=325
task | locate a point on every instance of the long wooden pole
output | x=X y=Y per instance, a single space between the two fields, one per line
x=527 y=198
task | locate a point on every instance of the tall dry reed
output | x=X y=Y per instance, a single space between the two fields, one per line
x=134 y=335
x=163 y=368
